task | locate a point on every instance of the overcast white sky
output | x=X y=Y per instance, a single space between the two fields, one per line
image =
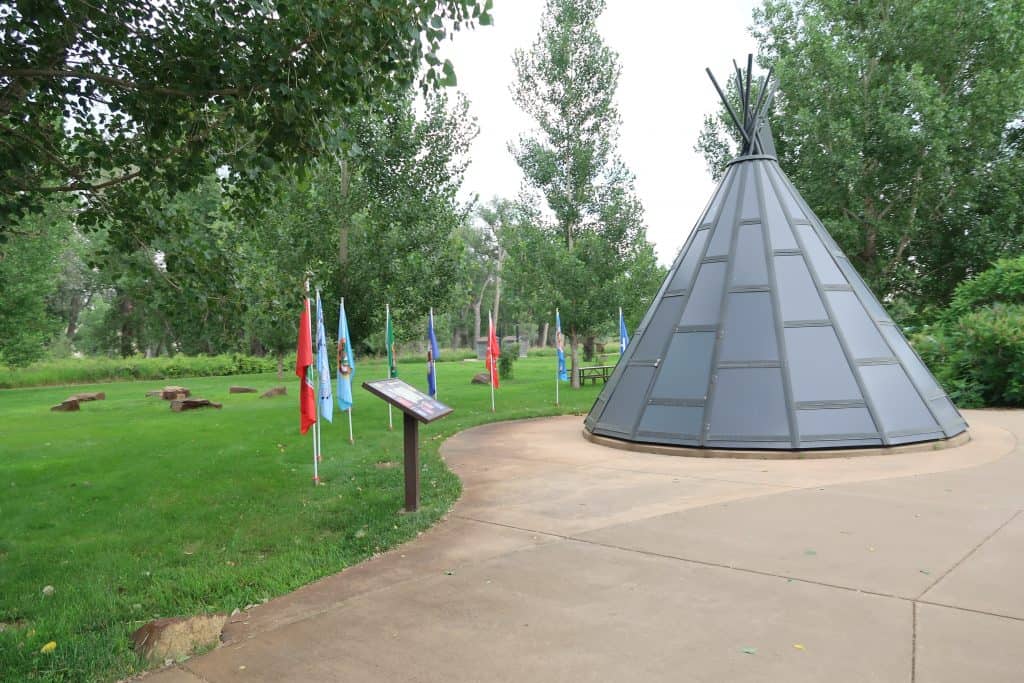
x=663 y=95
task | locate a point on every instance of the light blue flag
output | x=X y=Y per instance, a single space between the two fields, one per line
x=563 y=374
x=623 y=334
x=323 y=366
x=432 y=353
x=346 y=362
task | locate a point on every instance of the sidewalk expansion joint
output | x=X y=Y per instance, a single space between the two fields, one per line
x=747 y=570
x=183 y=666
x=913 y=642
x=969 y=553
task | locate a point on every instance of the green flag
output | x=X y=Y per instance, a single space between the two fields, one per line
x=389 y=340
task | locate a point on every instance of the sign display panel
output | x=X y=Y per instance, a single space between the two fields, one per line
x=408 y=399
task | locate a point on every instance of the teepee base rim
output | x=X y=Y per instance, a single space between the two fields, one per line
x=776 y=454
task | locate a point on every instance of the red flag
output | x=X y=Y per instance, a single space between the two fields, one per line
x=303 y=361
x=493 y=351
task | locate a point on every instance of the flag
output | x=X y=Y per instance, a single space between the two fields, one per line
x=323 y=366
x=389 y=341
x=432 y=353
x=303 y=363
x=346 y=362
x=560 y=348
x=623 y=334
x=493 y=352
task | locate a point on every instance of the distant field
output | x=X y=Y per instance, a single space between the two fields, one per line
x=133 y=512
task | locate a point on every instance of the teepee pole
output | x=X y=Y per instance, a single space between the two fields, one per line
x=746 y=98
x=739 y=90
x=728 y=107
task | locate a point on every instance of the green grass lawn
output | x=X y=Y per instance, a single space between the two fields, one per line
x=132 y=512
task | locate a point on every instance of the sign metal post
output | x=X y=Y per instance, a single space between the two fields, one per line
x=416 y=407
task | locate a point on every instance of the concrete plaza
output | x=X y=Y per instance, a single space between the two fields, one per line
x=570 y=561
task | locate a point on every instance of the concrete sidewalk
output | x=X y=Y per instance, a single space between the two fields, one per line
x=569 y=561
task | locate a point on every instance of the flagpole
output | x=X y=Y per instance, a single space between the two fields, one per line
x=316 y=425
x=348 y=342
x=558 y=378
x=434 y=361
x=493 y=368
x=387 y=324
x=316 y=342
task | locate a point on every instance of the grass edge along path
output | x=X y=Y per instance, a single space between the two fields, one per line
x=132 y=512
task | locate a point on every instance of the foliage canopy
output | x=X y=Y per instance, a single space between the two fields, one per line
x=900 y=123
x=117 y=100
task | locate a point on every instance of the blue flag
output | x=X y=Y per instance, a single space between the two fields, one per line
x=432 y=353
x=323 y=366
x=623 y=334
x=560 y=348
x=346 y=362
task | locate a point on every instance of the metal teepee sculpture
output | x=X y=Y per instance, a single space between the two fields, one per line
x=763 y=335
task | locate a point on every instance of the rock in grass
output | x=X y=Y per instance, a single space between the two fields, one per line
x=192 y=403
x=241 y=390
x=48 y=590
x=66 y=406
x=176 y=637
x=173 y=393
x=276 y=391
x=481 y=378
x=90 y=396
x=170 y=393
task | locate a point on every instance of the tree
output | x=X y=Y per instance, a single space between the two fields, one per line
x=475 y=275
x=117 y=100
x=224 y=271
x=404 y=211
x=900 y=122
x=387 y=238
x=29 y=275
x=567 y=81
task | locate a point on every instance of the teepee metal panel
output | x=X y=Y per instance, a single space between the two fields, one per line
x=764 y=336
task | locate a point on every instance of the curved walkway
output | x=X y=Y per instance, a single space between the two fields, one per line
x=569 y=561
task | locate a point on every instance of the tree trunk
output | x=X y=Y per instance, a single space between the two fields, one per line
x=588 y=348
x=476 y=322
x=497 y=299
x=497 y=285
x=280 y=365
x=75 y=309
x=125 y=308
x=544 y=336
x=574 y=361
x=345 y=224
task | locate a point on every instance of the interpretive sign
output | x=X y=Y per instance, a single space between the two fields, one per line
x=416 y=407
x=408 y=399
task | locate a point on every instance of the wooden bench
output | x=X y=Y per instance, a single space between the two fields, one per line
x=595 y=372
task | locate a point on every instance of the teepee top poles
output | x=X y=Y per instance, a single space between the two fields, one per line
x=753 y=112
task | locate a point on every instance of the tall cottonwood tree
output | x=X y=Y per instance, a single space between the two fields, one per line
x=116 y=100
x=901 y=124
x=567 y=81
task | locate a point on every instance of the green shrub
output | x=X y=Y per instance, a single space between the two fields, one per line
x=507 y=359
x=978 y=357
x=990 y=353
x=420 y=355
x=1002 y=283
x=102 y=369
x=976 y=349
x=90 y=370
